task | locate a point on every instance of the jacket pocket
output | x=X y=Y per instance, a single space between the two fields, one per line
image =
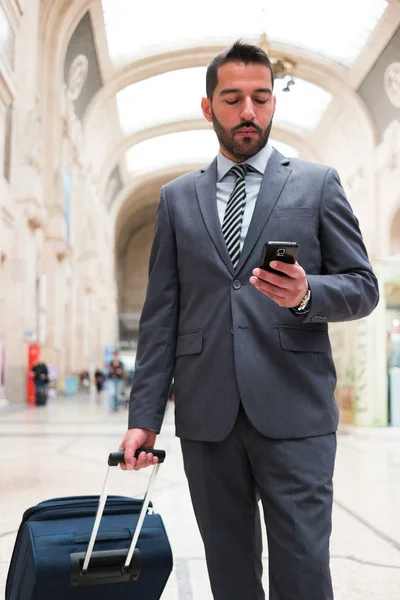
x=303 y=340
x=190 y=342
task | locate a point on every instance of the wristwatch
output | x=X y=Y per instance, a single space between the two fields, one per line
x=304 y=303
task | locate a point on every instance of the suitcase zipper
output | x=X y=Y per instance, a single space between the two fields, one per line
x=47 y=513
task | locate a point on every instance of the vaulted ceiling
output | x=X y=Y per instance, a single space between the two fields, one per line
x=152 y=59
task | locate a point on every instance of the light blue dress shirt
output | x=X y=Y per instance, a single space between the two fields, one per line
x=226 y=182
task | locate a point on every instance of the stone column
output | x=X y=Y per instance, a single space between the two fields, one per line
x=16 y=346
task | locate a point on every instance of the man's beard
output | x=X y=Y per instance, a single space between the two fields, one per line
x=245 y=147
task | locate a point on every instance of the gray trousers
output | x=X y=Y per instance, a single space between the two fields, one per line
x=293 y=479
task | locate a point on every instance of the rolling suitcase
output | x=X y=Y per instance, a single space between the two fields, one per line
x=41 y=397
x=92 y=548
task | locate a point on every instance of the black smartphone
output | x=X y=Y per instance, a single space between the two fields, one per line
x=286 y=252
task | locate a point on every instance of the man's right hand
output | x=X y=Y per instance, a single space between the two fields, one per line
x=134 y=439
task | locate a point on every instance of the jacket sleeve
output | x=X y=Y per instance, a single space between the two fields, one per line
x=347 y=288
x=155 y=357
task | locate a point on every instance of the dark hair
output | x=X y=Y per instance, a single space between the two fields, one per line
x=239 y=52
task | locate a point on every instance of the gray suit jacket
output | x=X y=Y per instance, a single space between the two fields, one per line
x=223 y=340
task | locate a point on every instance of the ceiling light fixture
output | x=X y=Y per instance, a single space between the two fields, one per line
x=282 y=66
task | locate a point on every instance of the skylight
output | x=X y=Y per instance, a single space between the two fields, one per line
x=303 y=106
x=183 y=148
x=336 y=30
x=174 y=148
x=176 y=95
x=172 y=96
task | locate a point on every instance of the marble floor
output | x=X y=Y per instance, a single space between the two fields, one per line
x=61 y=450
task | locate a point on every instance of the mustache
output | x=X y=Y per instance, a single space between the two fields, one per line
x=246 y=125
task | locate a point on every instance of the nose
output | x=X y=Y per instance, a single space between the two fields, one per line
x=248 y=113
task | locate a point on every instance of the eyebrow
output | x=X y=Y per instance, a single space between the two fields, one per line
x=239 y=91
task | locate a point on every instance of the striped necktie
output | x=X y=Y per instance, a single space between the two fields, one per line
x=233 y=217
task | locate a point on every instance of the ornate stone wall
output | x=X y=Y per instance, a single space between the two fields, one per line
x=56 y=247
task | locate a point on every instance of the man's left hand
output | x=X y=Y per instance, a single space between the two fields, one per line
x=287 y=291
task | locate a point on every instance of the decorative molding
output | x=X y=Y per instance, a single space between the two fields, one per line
x=356 y=180
x=8 y=89
x=77 y=76
x=391 y=82
x=35 y=216
x=8 y=218
x=60 y=248
x=32 y=138
x=375 y=45
x=62 y=252
x=387 y=154
x=14 y=12
x=111 y=191
x=72 y=126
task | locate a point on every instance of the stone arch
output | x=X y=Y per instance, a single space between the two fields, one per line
x=280 y=132
x=59 y=19
x=134 y=226
x=311 y=68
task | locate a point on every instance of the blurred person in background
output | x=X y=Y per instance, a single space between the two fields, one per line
x=116 y=377
x=249 y=349
x=84 y=381
x=99 y=379
x=40 y=373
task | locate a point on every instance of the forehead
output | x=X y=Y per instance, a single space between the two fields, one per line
x=244 y=77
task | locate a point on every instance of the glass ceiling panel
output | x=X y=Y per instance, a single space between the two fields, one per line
x=185 y=147
x=303 y=106
x=337 y=29
x=172 y=96
x=149 y=103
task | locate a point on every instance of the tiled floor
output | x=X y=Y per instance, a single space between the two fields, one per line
x=61 y=450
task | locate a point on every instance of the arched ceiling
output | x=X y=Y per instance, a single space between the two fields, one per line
x=181 y=148
x=153 y=58
x=131 y=216
x=303 y=106
x=158 y=53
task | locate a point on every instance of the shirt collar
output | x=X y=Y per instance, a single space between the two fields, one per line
x=259 y=161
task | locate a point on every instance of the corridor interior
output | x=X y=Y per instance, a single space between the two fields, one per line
x=99 y=108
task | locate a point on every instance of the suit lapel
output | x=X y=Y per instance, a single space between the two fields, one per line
x=272 y=184
x=206 y=189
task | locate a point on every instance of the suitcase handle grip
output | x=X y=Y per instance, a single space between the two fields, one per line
x=115 y=458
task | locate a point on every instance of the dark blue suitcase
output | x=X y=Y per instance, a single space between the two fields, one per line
x=41 y=396
x=92 y=548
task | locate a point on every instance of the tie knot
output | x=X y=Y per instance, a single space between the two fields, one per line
x=240 y=171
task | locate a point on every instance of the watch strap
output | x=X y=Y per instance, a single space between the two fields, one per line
x=304 y=303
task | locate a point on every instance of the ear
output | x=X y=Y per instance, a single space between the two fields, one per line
x=206 y=108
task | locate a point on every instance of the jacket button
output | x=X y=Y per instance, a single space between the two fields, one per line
x=236 y=285
x=232 y=331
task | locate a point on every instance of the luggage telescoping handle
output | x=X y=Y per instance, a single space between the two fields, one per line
x=114 y=459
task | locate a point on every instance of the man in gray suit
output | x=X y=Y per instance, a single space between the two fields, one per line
x=248 y=349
